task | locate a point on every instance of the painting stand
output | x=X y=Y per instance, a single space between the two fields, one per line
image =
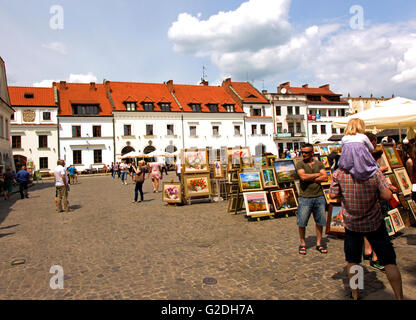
x=198 y=199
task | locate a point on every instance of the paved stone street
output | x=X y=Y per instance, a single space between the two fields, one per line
x=111 y=248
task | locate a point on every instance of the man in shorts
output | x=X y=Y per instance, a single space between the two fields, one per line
x=311 y=197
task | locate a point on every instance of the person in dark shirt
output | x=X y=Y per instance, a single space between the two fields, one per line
x=23 y=179
x=8 y=183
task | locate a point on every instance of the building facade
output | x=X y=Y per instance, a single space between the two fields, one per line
x=359 y=104
x=6 y=112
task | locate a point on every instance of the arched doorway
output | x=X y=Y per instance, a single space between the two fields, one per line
x=126 y=150
x=19 y=161
x=260 y=149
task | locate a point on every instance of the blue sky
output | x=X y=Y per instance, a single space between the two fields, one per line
x=264 y=41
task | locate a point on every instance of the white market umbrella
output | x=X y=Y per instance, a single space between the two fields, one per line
x=132 y=154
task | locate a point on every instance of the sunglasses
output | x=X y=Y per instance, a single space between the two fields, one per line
x=306 y=152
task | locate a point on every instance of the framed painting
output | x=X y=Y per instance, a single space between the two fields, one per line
x=218 y=172
x=323 y=150
x=412 y=207
x=316 y=150
x=392 y=156
x=335 y=221
x=389 y=226
x=238 y=157
x=297 y=186
x=403 y=202
x=285 y=170
x=256 y=203
x=235 y=203
x=233 y=188
x=250 y=181
x=171 y=192
x=329 y=174
x=393 y=181
x=270 y=160
x=325 y=161
x=329 y=199
x=403 y=181
x=284 y=200
x=396 y=220
x=197 y=185
x=382 y=162
x=195 y=161
x=232 y=176
x=259 y=162
x=269 y=178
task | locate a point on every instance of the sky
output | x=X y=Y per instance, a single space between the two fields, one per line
x=359 y=47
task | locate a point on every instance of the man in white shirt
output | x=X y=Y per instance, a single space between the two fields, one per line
x=61 y=185
x=178 y=168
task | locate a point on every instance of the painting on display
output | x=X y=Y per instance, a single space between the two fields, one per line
x=396 y=219
x=392 y=156
x=218 y=172
x=232 y=176
x=233 y=188
x=285 y=170
x=403 y=180
x=238 y=157
x=284 y=200
x=329 y=174
x=259 y=162
x=323 y=150
x=250 y=181
x=269 y=178
x=196 y=161
x=325 y=161
x=389 y=226
x=382 y=162
x=171 y=192
x=197 y=185
x=256 y=203
x=412 y=206
x=335 y=221
x=329 y=199
x=316 y=150
x=391 y=178
x=235 y=203
x=270 y=160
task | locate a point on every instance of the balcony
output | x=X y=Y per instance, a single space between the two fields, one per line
x=300 y=134
x=295 y=117
x=282 y=136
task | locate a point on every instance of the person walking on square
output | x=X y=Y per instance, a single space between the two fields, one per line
x=139 y=177
x=123 y=169
x=115 y=170
x=8 y=183
x=178 y=167
x=23 y=179
x=363 y=217
x=62 y=187
x=311 y=197
x=155 y=174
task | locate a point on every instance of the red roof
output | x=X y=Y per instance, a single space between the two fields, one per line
x=122 y=92
x=248 y=93
x=31 y=96
x=203 y=94
x=322 y=91
x=82 y=93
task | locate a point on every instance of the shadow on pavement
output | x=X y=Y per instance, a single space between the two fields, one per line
x=6 y=234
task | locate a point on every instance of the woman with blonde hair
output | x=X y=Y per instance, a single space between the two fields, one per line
x=139 y=177
x=356 y=155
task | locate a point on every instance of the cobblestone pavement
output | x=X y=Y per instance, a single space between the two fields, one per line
x=111 y=248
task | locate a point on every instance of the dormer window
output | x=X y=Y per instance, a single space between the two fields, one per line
x=148 y=106
x=213 y=107
x=130 y=106
x=196 y=107
x=29 y=95
x=229 y=107
x=85 y=110
x=165 y=107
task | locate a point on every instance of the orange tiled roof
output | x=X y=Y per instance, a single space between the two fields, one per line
x=82 y=93
x=41 y=96
x=122 y=92
x=322 y=91
x=203 y=94
x=248 y=93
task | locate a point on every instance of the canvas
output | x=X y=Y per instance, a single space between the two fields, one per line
x=270 y=160
x=403 y=180
x=171 y=192
x=269 y=178
x=335 y=221
x=396 y=219
x=285 y=170
x=329 y=199
x=389 y=226
x=329 y=174
x=196 y=161
x=323 y=150
x=250 y=181
x=412 y=207
x=392 y=156
x=382 y=162
x=218 y=172
x=238 y=157
x=284 y=200
x=197 y=185
x=325 y=162
x=256 y=203
x=259 y=162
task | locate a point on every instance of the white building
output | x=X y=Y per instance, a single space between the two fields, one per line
x=5 y=114
x=86 y=134
x=34 y=128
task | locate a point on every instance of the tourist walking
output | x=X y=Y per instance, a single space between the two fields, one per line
x=362 y=215
x=62 y=187
x=155 y=174
x=8 y=183
x=311 y=197
x=178 y=168
x=123 y=172
x=23 y=179
x=163 y=166
x=72 y=174
x=115 y=170
x=139 y=177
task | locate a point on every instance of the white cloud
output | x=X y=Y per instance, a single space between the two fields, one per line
x=257 y=39
x=73 y=78
x=56 y=46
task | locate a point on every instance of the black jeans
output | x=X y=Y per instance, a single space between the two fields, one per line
x=139 y=187
x=23 y=189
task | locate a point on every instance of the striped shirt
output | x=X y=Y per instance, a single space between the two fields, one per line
x=360 y=200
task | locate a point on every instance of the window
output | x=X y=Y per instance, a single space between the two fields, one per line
x=149 y=129
x=341 y=130
x=289 y=110
x=46 y=116
x=170 y=131
x=314 y=129
x=12 y=116
x=43 y=163
x=148 y=106
x=192 y=131
x=77 y=156
x=85 y=110
x=16 y=142
x=7 y=129
x=298 y=127
x=96 y=131
x=237 y=131
x=29 y=95
x=263 y=129
x=196 y=107
x=323 y=129
x=1 y=127
x=215 y=131
x=341 y=112
x=279 y=128
x=76 y=131
x=130 y=106
x=127 y=130
x=253 y=129
x=98 y=156
x=229 y=107
x=213 y=107
x=291 y=127
x=332 y=113
x=312 y=111
x=322 y=112
x=297 y=110
x=278 y=110
x=165 y=107
x=43 y=141
x=334 y=131
x=256 y=112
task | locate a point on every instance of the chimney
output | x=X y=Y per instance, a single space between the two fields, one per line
x=169 y=84
x=306 y=86
x=92 y=86
x=325 y=86
x=226 y=82
x=392 y=96
x=263 y=92
x=203 y=83
x=62 y=85
x=286 y=84
x=107 y=86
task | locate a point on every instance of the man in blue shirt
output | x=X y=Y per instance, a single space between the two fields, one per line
x=23 y=179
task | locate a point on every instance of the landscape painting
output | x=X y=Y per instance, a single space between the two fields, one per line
x=335 y=221
x=269 y=178
x=285 y=171
x=284 y=200
x=256 y=203
x=250 y=181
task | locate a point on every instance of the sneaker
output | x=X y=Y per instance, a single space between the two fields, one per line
x=376 y=265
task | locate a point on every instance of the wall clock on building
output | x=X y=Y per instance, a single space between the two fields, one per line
x=283 y=90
